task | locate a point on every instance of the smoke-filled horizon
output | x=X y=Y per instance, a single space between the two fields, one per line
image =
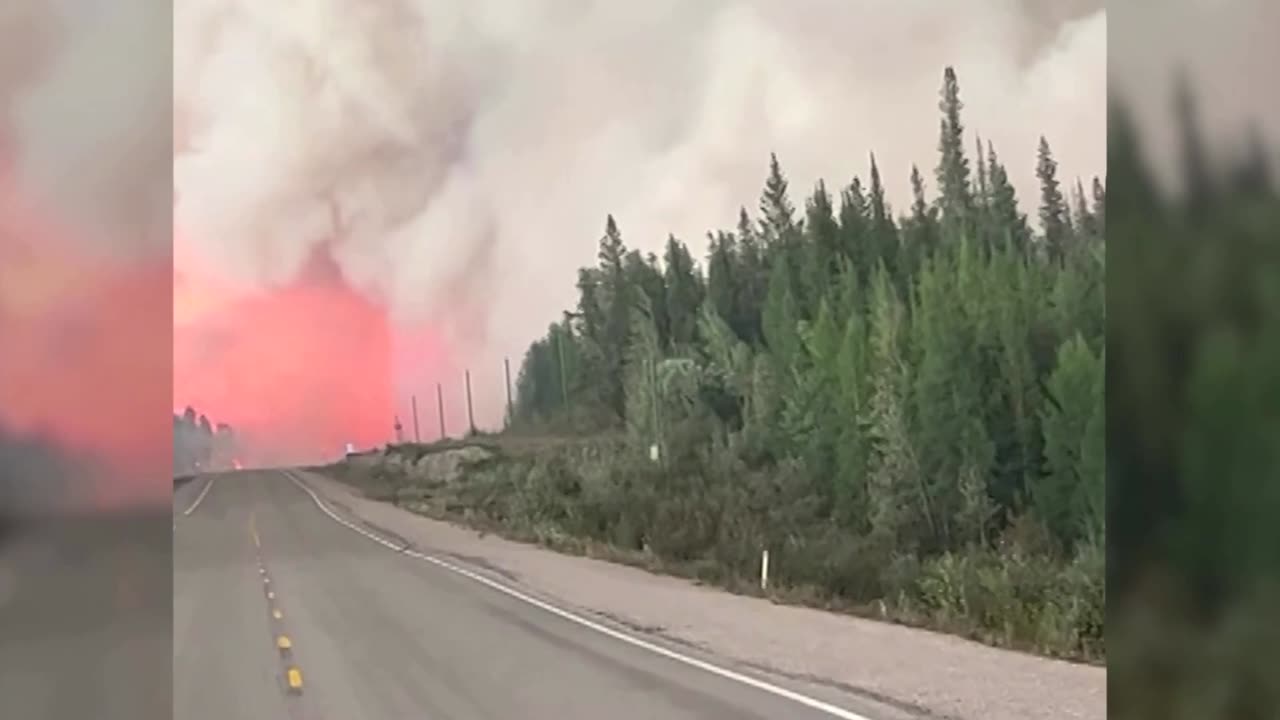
x=456 y=162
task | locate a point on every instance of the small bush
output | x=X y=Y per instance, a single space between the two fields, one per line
x=709 y=517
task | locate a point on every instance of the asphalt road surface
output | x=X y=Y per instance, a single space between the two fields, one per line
x=85 y=624
x=374 y=634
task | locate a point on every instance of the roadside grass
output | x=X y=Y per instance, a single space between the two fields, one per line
x=572 y=496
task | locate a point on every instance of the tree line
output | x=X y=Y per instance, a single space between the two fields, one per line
x=199 y=445
x=1193 y=377
x=924 y=385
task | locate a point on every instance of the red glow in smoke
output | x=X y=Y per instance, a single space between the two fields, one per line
x=83 y=352
x=299 y=371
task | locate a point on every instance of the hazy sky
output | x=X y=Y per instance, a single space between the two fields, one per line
x=1227 y=50
x=475 y=148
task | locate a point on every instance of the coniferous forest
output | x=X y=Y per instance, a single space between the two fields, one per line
x=199 y=445
x=904 y=405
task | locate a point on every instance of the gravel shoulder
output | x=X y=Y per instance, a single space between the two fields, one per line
x=933 y=674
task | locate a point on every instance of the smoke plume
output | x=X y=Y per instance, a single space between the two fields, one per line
x=456 y=160
x=1223 y=53
x=85 y=331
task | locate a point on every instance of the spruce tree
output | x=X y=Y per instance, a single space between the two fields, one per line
x=644 y=274
x=982 y=198
x=781 y=317
x=684 y=293
x=920 y=234
x=1085 y=223
x=618 y=299
x=956 y=196
x=782 y=234
x=1053 y=207
x=900 y=504
x=883 y=234
x=851 y=408
x=1100 y=205
x=753 y=275
x=777 y=215
x=1069 y=497
x=855 y=236
x=722 y=283
x=823 y=249
x=1009 y=223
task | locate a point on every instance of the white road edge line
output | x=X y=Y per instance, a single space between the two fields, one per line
x=768 y=687
x=199 y=497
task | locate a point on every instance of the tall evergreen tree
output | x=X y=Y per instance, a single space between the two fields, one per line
x=883 y=232
x=956 y=199
x=644 y=274
x=1054 y=218
x=982 y=198
x=684 y=293
x=722 y=282
x=780 y=317
x=901 y=508
x=1070 y=496
x=783 y=234
x=1009 y=223
x=618 y=301
x=753 y=274
x=778 y=223
x=921 y=234
x=855 y=236
x=823 y=250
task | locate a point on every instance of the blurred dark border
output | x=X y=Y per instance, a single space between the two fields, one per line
x=86 y=562
x=1193 y=362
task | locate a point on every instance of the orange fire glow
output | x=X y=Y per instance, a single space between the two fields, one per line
x=299 y=371
x=85 y=352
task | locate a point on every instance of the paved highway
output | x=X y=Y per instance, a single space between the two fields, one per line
x=84 y=617
x=281 y=611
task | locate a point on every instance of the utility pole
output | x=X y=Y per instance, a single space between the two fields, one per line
x=506 y=365
x=471 y=418
x=440 y=402
x=417 y=436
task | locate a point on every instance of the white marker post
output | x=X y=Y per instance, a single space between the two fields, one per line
x=764 y=570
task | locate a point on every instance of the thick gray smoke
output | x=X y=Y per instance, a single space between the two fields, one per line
x=474 y=148
x=84 y=90
x=1225 y=52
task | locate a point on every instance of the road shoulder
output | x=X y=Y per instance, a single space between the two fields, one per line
x=924 y=672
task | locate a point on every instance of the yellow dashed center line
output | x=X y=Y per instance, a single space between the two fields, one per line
x=293 y=676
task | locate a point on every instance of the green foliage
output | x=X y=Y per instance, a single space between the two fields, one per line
x=1193 y=371
x=880 y=401
x=1070 y=496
